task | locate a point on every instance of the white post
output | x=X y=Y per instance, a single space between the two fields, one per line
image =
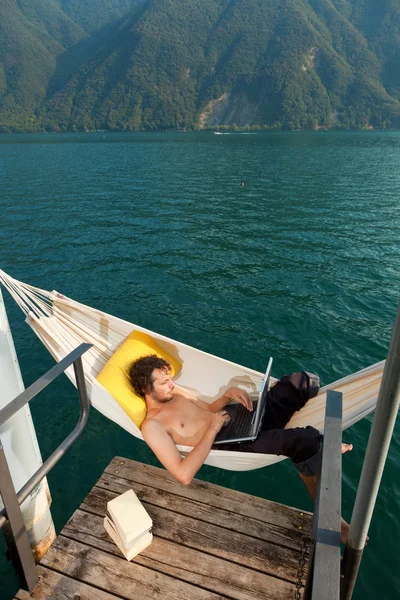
x=21 y=446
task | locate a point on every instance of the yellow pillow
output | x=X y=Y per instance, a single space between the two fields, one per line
x=114 y=375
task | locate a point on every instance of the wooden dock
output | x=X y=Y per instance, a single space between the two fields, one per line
x=210 y=543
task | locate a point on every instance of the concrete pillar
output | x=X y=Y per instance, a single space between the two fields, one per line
x=21 y=447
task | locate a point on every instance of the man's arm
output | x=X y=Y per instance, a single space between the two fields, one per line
x=163 y=446
x=232 y=393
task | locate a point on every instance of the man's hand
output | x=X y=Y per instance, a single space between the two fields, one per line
x=241 y=396
x=232 y=393
x=218 y=420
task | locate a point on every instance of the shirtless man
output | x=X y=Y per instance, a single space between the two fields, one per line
x=174 y=417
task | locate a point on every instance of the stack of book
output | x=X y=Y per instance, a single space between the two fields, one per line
x=128 y=524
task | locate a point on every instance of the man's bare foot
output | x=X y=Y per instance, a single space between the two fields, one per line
x=344 y=526
x=344 y=531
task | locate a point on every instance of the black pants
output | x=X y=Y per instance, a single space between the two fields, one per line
x=303 y=445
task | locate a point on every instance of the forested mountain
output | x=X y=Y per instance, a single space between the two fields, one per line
x=68 y=65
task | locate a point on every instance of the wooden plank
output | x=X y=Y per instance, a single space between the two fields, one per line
x=288 y=538
x=220 y=542
x=128 y=580
x=55 y=586
x=185 y=564
x=213 y=495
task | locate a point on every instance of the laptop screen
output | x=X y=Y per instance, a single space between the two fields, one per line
x=262 y=395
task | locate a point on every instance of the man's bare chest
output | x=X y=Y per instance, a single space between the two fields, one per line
x=185 y=421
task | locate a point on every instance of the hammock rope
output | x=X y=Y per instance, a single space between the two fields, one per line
x=27 y=297
x=62 y=324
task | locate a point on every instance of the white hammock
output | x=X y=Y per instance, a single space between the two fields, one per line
x=62 y=324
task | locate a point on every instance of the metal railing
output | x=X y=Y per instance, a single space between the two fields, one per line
x=323 y=581
x=11 y=499
x=387 y=408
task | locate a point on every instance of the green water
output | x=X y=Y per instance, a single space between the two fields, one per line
x=301 y=263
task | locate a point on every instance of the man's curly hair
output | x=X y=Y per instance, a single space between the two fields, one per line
x=139 y=372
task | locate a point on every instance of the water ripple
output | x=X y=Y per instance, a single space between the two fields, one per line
x=302 y=263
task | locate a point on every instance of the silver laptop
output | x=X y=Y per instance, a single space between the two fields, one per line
x=244 y=425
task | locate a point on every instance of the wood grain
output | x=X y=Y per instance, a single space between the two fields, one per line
x=211 y=494
x=55 y=586
x=128 y=580
x=212 y=539
x=267 y=531
x=183 y=563
x=210 y=543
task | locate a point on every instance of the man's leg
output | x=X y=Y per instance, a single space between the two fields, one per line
x=289 y=395
x=311 y=482
x=303 y=445
x=286 y=397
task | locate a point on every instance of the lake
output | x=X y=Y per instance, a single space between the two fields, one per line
x=301 y=263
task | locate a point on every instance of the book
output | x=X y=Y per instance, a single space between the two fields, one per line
x=144 y=541
x=129 y=517
x=127 y=547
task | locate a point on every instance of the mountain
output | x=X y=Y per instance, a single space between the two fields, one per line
x=124 y=65
x=32 y=36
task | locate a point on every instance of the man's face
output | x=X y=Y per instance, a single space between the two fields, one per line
x=163 y=386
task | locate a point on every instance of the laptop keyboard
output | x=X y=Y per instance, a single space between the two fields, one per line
x=241 y=426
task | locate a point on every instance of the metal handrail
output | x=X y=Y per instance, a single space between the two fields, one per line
x=43 y=381
x=13 y=500
x=386 y=411
x=73 y=358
